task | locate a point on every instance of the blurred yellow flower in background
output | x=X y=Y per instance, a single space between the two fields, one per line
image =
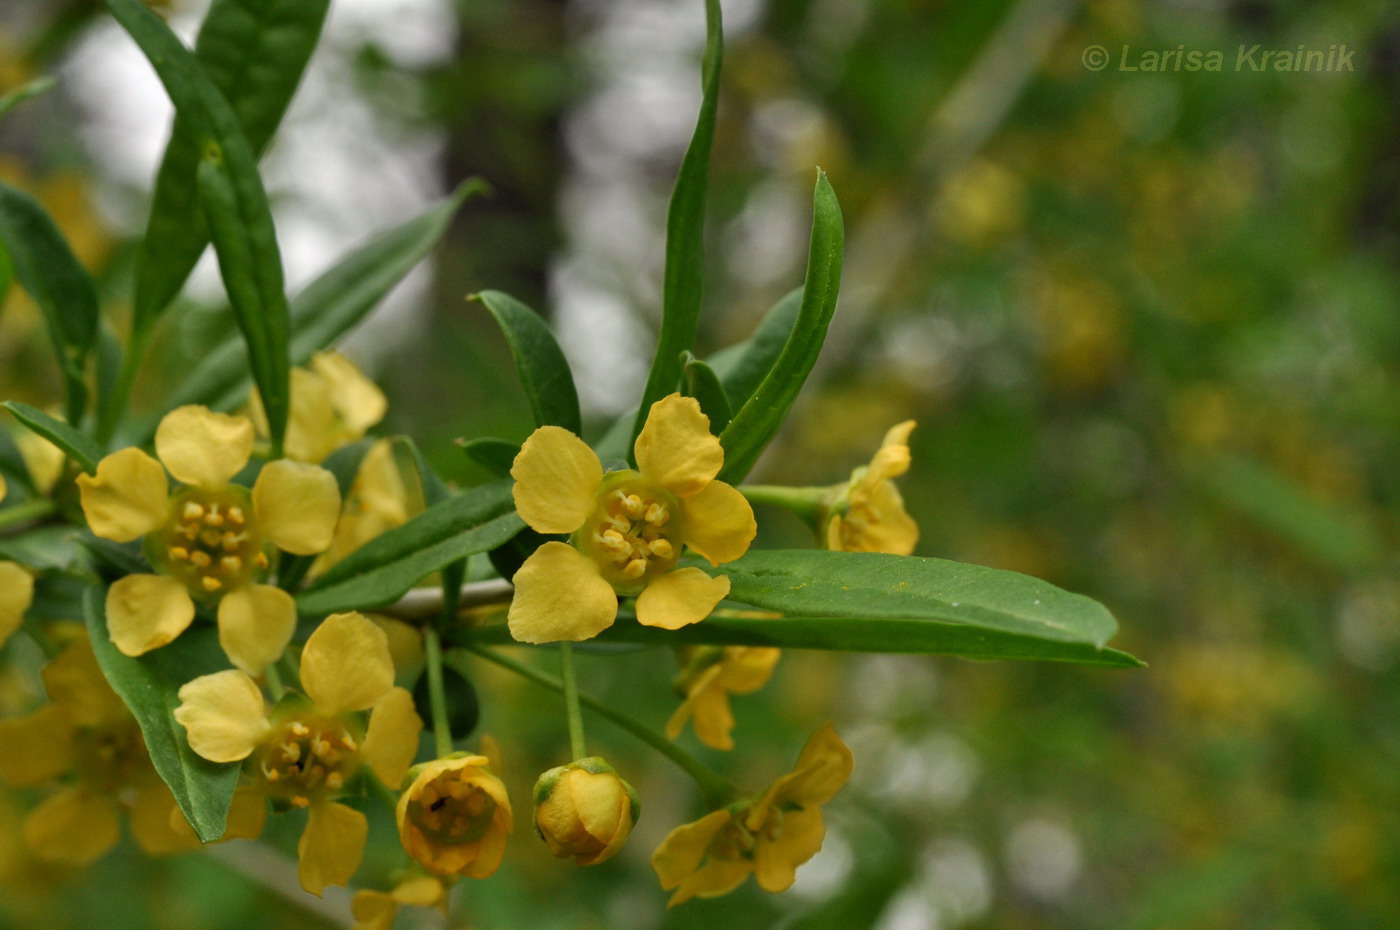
x=209 y=538
x=16 y=590
x=867 y=513
x=585 y=810
x=710 y=675
x=628 y=527
x=305 y=751
x=454 y=816
x=86 y=731
x=376 y=910
x=332 y=405
x=770 y=836
x=378 y=501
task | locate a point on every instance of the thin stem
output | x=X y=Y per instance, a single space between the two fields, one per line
x=274 y=681
x=437 y=698
x=36 y=509
x=808 y=503
x=115 y=404
x=717 y=789
x=423 y=603
x=566 y=672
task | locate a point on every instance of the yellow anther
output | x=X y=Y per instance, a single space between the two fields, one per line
x=231 y=563
x=235 y=515
x=348 y=742
x=232 y=541
x=193 y=511
x=179 y=553
x=272 y=774
x=662 y=548
x=635 y=569
x=213 y=517
x=260 y=560
x=301 y=801
x=189 y=531
x=211 y=538
x=200 y=558
x=299 y=730
x=211 y=584
x=335 y=781
x=657 y=515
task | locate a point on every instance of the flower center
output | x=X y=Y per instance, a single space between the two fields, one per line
x=451 y=810
x=632 y=531
x=210 y=542
x=111 y=755
x=308 y=758
x=733 y=842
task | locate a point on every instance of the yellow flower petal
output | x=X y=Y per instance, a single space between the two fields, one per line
x=559 y=595
x=373 y=910
x=145 y=612
x=718 y=522
x=75 y=682
x=358 y=401
x=151 y=820
x=892 y=458
x=16 y=594
x=203 y=448
x=296 y=506
x=37 y=748
x=799 y=839
x=677 y=860
x=127 y=498
x=77 y=826
x=4 y=488
x=331 y=846
x=822 y=770
x=346 y=664
x=676 y=449
x=745 y=669
x=311 y=433
x=223 y=714
x=679 y=598
x=256 y=622
x=392 y=739
x=420 y=891
x=246 y=815
x=556 y=480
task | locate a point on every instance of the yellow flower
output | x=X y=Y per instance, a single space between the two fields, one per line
x=16 y=590
x=304 y=752
x=455 y=816
x=628 y=528
x=42 y=459
x=867 y=514
x=210 y=538
x=87 y=731
x=376 y=503
x=770 y=836
x=585 y=810
x=333 y=404
x=376 y=910
x=710 y=676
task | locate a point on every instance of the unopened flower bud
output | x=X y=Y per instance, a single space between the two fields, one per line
x=585 y=810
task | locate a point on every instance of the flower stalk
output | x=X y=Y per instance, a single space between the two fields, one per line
x=571 y=707
x=437 y=697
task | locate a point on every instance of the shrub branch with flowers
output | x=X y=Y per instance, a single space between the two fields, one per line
x=221 y=618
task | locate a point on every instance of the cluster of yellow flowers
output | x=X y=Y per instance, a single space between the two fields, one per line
x=214 y=541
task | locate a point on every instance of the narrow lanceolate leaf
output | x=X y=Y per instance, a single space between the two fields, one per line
x=330 y=305
x=742 y=368
x=544 y=371
x=757 y=421
x=384 y=568
x=701 y=382
x=45 y=267
x=495 y=455
x=685 y=229
x=77 y=446
x=234 y=203
x=254 y=52
x=150 y=686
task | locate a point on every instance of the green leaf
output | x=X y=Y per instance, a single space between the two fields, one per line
x=254 y=52
x=685 y=232
x=701 y=383
x=331 y=304
x=544 y=371
x=47 y=270
x=757 y=421
x=23 y=92
x=380 y=571
x=234 y=204
x=150 y=685
x=76 y=445
x=742 y=367
x=495 y=455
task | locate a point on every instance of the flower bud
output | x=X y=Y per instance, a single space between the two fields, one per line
x=585 y=810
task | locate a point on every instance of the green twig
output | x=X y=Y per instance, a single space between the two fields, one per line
x=35 y=509
x=570 y=682
x=717 y=789
x=810 y=504
x=437 y=698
